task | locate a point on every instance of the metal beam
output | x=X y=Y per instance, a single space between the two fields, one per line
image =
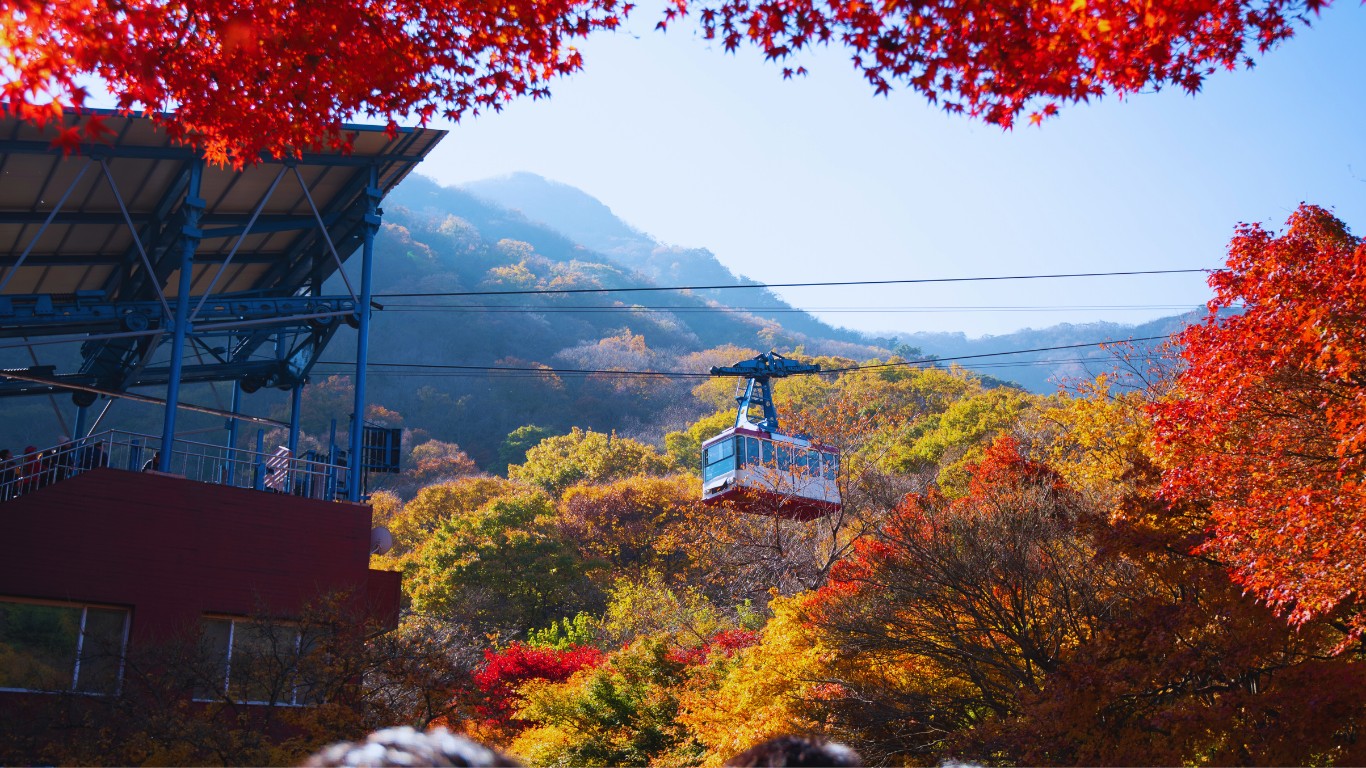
x=21 y=147
x=43 y=314
x=33 y=378
x=67 y=259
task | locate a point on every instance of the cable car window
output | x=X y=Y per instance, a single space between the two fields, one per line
x=784 y=458
x=832 y=465
x=720 y=451
x=766 y=447
x=811 y=463
x=751 y=450
x=719 y=458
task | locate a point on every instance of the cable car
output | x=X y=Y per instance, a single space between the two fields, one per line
x=759 y=468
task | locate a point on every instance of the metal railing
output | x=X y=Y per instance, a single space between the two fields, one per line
x=309 y=475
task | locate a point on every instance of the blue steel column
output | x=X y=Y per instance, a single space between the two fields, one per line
x=296 y=404
x=82 y=413
x=372 y=195
x=232 y=433
x=189 y=242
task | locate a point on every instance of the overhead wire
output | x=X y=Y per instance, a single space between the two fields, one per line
x=812 y=284
x=533 y=371
x=684 y=309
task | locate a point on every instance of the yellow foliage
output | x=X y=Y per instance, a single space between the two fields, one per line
x=643 y=607
x=635 y=525
x=585 y=456
x=764 y=692
x=384 y=505
x=437 y=503
x=1098 y=435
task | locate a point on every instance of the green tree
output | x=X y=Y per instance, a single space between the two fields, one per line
x=585 y=456
x=518 y=442
x=435 y=504
x=685 y=446
x=502 y=566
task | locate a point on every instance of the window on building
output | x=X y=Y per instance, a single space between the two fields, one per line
x=55 y=647
x=255 y=662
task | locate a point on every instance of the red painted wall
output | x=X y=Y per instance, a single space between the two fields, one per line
x=173 y=549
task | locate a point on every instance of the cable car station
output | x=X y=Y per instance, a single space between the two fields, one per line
x=136 y=268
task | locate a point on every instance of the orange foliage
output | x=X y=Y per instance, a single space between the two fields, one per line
x=1269 y=422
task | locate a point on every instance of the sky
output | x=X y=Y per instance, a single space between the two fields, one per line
x=818 y=179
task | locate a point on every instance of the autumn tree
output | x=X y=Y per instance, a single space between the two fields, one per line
x=623 y=712
x=413 y=522
x=585 y=456
x=964 y=605
x=1268 y=424
x=772 y=687
x=429 y=462
x=285 y=77
x=517 y=443
x=502 y=566
x=506 y=670
x=637 y=525
x=1189 y=667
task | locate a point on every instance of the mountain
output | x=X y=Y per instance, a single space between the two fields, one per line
x=587 y=221
x=439 y=241
x=1045 y=371
x=430 y=353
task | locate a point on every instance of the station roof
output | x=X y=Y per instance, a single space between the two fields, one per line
x=89 y=246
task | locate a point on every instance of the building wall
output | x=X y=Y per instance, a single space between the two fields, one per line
x=173 y=550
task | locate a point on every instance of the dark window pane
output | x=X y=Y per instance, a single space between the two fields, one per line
x=213 y=653
x=101 y=650
x=38 y=646
x=263 y=662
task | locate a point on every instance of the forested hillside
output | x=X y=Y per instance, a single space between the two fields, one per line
x=526 y=233
x=443 y=240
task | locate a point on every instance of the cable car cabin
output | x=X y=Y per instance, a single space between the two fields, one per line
x=768 y=473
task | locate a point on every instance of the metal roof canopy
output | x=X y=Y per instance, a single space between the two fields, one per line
x=81 y=235
x=109 y=246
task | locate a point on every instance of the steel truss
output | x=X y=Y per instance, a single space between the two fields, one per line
x=137 y=327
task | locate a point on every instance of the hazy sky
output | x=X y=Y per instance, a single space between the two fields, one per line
x=816 y=179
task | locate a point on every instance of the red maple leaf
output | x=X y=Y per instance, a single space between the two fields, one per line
x=68 y=140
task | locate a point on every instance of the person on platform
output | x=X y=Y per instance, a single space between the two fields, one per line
x=32 y=470
x=92 y=456
x=9 y=474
